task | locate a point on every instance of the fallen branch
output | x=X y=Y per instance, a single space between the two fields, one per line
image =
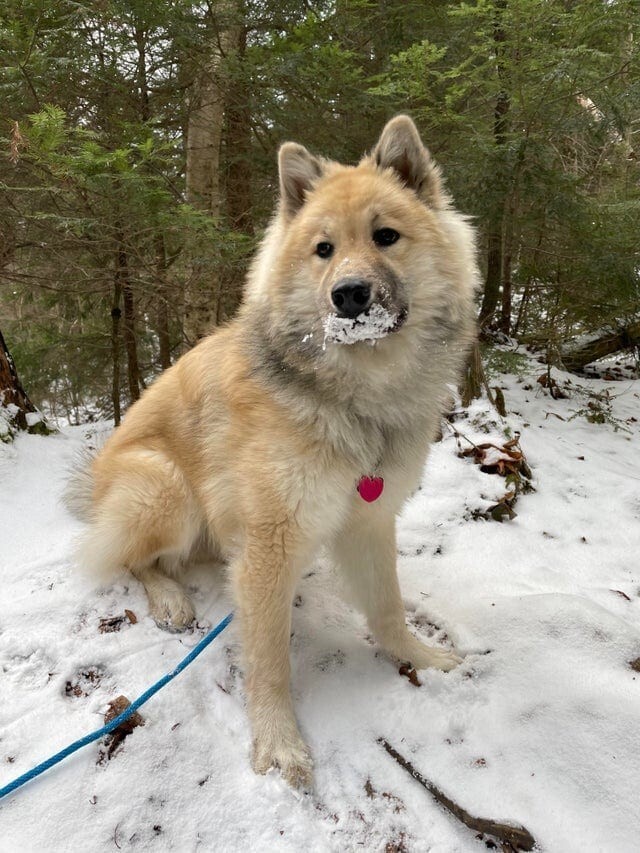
x=508 y=461
x=517 y=836
x=605 y=341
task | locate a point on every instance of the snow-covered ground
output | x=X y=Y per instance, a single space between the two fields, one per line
x=538 y=726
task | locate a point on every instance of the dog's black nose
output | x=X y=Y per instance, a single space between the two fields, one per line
x=351 y=296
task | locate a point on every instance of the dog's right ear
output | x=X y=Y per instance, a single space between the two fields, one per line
x=298 y=171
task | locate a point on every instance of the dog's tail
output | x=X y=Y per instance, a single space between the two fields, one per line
x=78 y=493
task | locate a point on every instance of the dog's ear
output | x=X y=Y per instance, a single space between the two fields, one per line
x=400 y=148
x=298 y=171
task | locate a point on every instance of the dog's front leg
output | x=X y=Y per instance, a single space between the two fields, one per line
x=366 y=553
x=264 y=582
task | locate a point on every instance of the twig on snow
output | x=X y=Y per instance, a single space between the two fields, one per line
x=517 y=836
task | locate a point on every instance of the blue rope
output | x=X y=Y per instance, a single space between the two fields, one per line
x=109 y=727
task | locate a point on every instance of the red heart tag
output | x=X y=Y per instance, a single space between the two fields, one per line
x=370 y=488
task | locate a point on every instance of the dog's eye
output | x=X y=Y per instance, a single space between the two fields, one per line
x=385 y=237
x=324 y=250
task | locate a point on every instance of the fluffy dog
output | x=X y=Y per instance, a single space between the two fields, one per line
x=304 y=423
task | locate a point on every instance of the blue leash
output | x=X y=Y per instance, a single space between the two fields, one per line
x=109 y=727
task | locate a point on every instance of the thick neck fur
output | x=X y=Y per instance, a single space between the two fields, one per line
x=358 y=397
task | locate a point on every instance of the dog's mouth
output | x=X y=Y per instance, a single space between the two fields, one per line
x=372 y=325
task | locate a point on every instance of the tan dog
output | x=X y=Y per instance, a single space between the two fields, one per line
x=275 y=435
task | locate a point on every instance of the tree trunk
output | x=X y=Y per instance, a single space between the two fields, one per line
x=505 y=312
x=163 y=332
x=238 y=198
x=204 y=136
x=474 y=377
x=116 y=313
x=13 y=398
x=492 y=281
x=163 y=305
x=129 y=334
x=141 y=72
x=510 y=233
x=495 y=242
x=129 y=325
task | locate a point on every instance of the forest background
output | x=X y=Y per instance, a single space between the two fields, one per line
x=138 y=165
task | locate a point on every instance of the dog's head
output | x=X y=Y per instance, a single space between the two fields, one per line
x=358 y=256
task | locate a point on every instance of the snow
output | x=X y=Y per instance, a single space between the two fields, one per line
x=6 y=431
x=374 y=324
x=617 y=366
x=538 y=726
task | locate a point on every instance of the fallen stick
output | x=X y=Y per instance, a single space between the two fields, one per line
x=516 y=836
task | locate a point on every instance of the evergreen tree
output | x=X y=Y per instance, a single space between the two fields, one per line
x=140 y=142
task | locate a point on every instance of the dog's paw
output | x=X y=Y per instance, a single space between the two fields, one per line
x=422 y=656
x=170 y=627
x=173 y=611
x=293 y=759
x=442 y=659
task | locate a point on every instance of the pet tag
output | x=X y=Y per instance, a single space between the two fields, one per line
x=370 y=488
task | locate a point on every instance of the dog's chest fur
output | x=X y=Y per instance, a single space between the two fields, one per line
x=373 y=426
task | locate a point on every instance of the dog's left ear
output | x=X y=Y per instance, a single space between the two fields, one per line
x=298 y=171
x=400 y=148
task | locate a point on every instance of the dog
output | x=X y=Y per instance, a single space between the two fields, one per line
x=305 y=422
